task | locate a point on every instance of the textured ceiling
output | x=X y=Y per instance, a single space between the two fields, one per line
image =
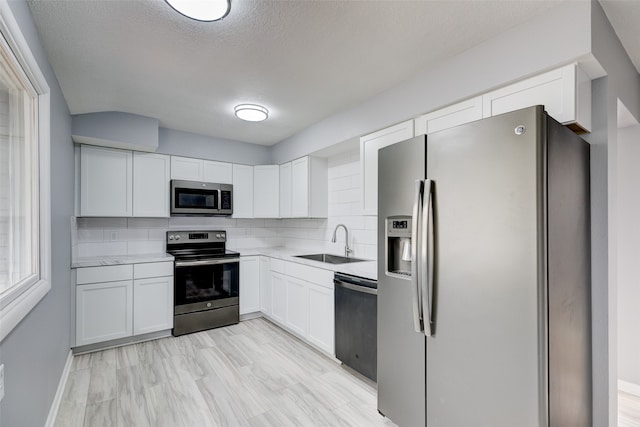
x=303 y=60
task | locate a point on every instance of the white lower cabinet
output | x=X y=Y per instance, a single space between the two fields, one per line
x=297 y=312
x=103 y=311
x=321 y=317
x=302 y=302
x=279 y=297
x=152 y=304
x=120 y=301
x=265 y=285
x=249 y=284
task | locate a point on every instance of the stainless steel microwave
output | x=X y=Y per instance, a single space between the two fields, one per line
x=201 y=198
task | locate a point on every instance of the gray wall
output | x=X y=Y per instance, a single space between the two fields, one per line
x=628 y=246
x=34 y=353
x=622 y=82
x=179 y=143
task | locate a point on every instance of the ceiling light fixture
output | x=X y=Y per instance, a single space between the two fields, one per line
x=201 y=10
x=251 y=112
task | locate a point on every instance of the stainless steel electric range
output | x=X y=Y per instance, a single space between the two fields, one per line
x=206 y=280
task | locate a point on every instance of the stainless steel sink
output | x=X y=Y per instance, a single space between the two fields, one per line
x=330 y=259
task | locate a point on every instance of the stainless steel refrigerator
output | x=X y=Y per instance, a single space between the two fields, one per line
x=484 y=303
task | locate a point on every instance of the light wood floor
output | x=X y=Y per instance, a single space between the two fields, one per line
x=628 y=410
x=250 y=374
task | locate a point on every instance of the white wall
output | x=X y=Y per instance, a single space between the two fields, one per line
x=131 y=236
x=629 y=255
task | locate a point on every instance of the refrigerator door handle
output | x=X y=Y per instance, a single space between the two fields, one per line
x=415 y=279
x=426 y=255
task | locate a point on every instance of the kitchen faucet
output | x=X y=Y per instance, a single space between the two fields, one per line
x=347 y=249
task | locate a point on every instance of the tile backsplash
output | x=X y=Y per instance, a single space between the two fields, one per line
x=120 y=236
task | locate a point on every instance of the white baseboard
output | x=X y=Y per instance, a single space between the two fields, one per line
x=55 y=405
x=628 y=387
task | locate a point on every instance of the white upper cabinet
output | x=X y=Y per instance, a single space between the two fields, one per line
x=186 y=168
x=242 y=191
x=285 y=190
x=369 y=146
x=189 y=169
x=218 y=172
x=448 y=117
x=266 y=187
x=309 y=188
x=151 y=177
x=565 y=94
x=106 y=177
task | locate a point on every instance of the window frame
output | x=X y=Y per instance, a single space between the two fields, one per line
x=18 y=301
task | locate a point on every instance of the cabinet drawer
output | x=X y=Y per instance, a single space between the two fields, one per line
x=278 y=265
x=153 y=269
x=110 y=273
x=310 y=274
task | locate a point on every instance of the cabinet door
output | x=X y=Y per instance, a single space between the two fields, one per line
x=152 y=304
x=300 y=187
x=321 y=318
x=242 y=191
x=369 y=146
x=297 y=306
x=266 y=187
x=285 y=190
x=279 y=297
x=186 y=168
x=218 y=172
x=565 y=94
x=103 y=311
x=106 y=181
x=151 y=178
x=249 y=284
x=265 y=285
x=448 y=117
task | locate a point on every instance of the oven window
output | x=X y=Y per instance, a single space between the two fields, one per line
x=195 y=198
x=206 y=283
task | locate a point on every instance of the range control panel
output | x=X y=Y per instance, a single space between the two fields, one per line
x=196 y=236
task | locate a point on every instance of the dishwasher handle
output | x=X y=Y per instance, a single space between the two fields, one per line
x=354 y=284
x=356 y=288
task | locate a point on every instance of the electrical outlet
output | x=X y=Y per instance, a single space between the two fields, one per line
x=114 y=236
x=1 y=382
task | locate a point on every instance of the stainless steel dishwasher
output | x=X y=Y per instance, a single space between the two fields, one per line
x=356 y=312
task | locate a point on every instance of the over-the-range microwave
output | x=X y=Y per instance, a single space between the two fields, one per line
x=201 y=198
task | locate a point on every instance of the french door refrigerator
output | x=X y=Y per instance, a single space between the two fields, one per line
x=484 y=299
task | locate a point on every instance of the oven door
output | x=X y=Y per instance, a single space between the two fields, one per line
x=205 y=284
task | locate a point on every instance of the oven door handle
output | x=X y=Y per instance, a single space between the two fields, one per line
x=206 y=262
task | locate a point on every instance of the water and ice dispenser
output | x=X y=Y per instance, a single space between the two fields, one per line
x=398 y=233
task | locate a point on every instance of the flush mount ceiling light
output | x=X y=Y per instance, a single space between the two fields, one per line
x=251 y=112
x=201 y=10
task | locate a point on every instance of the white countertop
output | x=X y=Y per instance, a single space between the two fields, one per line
x=367 y=269
x=119 y=259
